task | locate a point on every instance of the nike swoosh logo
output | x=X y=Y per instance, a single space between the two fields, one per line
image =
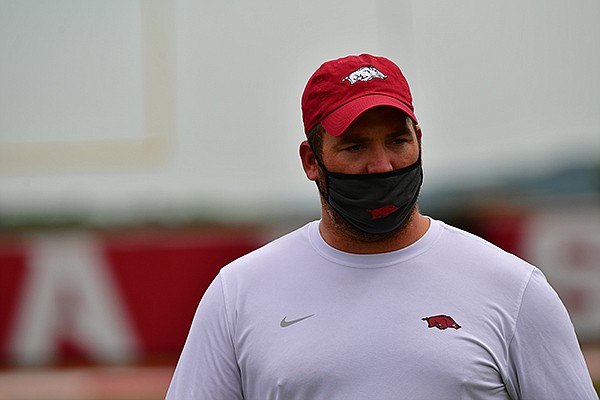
x=285 y=324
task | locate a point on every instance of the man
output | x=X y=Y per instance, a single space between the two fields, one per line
x=375 y=300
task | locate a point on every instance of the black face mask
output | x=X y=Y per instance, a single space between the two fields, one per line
x=374 y=203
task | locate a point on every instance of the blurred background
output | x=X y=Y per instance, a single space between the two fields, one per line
x=144 y=144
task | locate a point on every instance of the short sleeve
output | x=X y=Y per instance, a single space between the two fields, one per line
x=207 y=368
x=544 y=355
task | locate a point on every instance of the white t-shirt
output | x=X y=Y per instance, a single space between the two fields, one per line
x=450 y=316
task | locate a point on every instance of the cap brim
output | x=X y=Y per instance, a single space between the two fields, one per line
x=339 y=120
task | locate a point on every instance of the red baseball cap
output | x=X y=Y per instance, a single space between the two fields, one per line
x=340 y=90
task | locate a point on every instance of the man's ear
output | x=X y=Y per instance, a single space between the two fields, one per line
x=309 y=161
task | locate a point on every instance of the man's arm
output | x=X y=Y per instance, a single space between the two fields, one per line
x=207 y=368
x=545 y=359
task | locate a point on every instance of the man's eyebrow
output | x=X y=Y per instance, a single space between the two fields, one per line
x=401 y=132
x=350 y=139
x=354 y=138
x=360 y=138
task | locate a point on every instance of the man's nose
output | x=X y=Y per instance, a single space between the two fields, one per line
x=379 y=161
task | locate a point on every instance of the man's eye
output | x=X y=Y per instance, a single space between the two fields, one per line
x=356 y=147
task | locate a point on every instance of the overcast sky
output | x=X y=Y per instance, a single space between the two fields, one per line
x=121 y=107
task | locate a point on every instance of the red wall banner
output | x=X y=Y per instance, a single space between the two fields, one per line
x=130 y=297
x=77 y=296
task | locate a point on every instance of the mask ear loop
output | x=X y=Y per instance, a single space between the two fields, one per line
x=324 y=193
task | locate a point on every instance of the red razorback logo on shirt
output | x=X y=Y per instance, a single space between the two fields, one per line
x=441 y=322
x=383 y=211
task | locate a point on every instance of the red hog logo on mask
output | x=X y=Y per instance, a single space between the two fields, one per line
x=383 y=211
x=441 y=322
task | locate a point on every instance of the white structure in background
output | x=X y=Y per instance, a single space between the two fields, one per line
x=130 y=109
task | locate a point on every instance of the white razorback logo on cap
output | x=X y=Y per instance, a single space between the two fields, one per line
x=364 y=74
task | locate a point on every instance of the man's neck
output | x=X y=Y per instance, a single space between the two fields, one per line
x=416 y=227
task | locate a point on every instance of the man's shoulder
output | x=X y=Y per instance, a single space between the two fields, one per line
x=292 y=244
x=455 y=235
x=466 y=244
